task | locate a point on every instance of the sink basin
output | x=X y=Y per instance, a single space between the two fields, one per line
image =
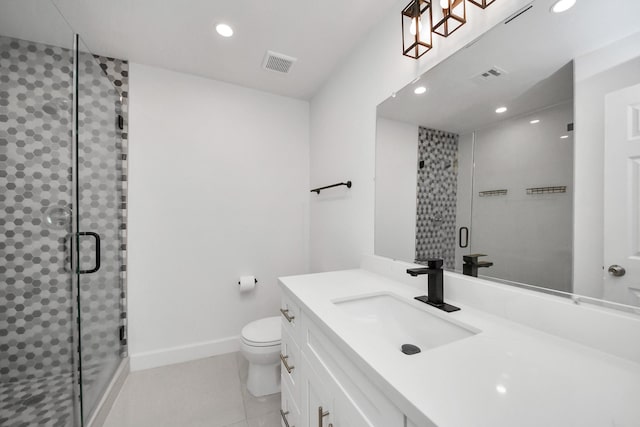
x=396 y=321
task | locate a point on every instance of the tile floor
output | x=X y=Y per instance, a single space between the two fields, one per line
x=43 y=400
x=210 y=392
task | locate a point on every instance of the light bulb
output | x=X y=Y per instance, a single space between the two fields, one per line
x=444 y=4
x=416 y=23
x=562 y=5
x=224 y=30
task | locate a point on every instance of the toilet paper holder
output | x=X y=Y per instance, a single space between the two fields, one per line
x=255 y=279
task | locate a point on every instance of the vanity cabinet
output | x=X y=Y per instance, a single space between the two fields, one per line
x=321 y=387
x=289 y=410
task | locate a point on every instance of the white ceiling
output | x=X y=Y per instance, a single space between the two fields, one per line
x=179 y=34
x=535 y=49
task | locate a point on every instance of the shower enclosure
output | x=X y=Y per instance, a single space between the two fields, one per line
x=63 y=221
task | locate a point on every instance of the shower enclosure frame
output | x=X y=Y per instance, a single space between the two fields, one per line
x=87 y=416
x=75 y=247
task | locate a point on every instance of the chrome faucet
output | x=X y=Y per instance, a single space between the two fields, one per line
x=435 y=284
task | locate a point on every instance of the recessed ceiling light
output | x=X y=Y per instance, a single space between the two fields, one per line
x=420 y=90
x=564 y=137
x=562 y=6
x=501 y=110
x=534 y=122
x=224 y=30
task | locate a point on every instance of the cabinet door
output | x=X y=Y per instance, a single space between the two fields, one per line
x=290 y=358
x=357 y=402
x=316 y=398
x=289 y=411
x=347 y=413
x=322 y=393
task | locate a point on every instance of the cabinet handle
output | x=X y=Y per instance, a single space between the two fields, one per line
x=284 y=417
x=285 y=313
x=286 y=365
x=321 y=414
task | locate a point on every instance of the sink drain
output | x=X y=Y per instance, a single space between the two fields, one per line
x=410 y=349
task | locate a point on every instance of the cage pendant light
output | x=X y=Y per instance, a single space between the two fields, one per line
x=416 y=28
x=448 y=16
x=483 y=4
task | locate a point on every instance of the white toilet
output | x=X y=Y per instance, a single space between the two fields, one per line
x=261 y=347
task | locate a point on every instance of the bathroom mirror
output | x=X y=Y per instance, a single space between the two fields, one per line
x=512 y=150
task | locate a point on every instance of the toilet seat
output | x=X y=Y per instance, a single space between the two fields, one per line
x=262 y=333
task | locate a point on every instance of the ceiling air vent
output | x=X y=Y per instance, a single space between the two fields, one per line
x=489 y=75
x=278 y=62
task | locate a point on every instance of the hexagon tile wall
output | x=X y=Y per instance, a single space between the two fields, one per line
x=36 y=325
x=436 y=196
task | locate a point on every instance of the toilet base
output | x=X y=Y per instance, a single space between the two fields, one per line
x=263 y=379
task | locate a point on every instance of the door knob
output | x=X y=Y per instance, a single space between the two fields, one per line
x=617 y=271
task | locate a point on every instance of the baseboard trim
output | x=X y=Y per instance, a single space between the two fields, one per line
x=99 y=416
x=185 y=353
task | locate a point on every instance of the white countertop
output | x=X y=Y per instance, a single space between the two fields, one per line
x=508 y=375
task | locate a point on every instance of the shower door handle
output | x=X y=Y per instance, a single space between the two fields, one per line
x=97 y=237
x=466 y=238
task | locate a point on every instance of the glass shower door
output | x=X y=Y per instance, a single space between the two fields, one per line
x=60 y=301
x=99 y=228
x=37 y=322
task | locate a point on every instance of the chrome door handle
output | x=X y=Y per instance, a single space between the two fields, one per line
x=617 y=271
x=286 y=315
x=286 y=365
x=284 y=417
x=321 y=414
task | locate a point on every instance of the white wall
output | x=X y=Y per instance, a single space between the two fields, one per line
x=396 y=182
x=596 y=74
x=527 y=237
x=342 y=131
x=219 y=187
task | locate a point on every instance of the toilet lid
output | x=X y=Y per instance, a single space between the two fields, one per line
x=263 y=332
